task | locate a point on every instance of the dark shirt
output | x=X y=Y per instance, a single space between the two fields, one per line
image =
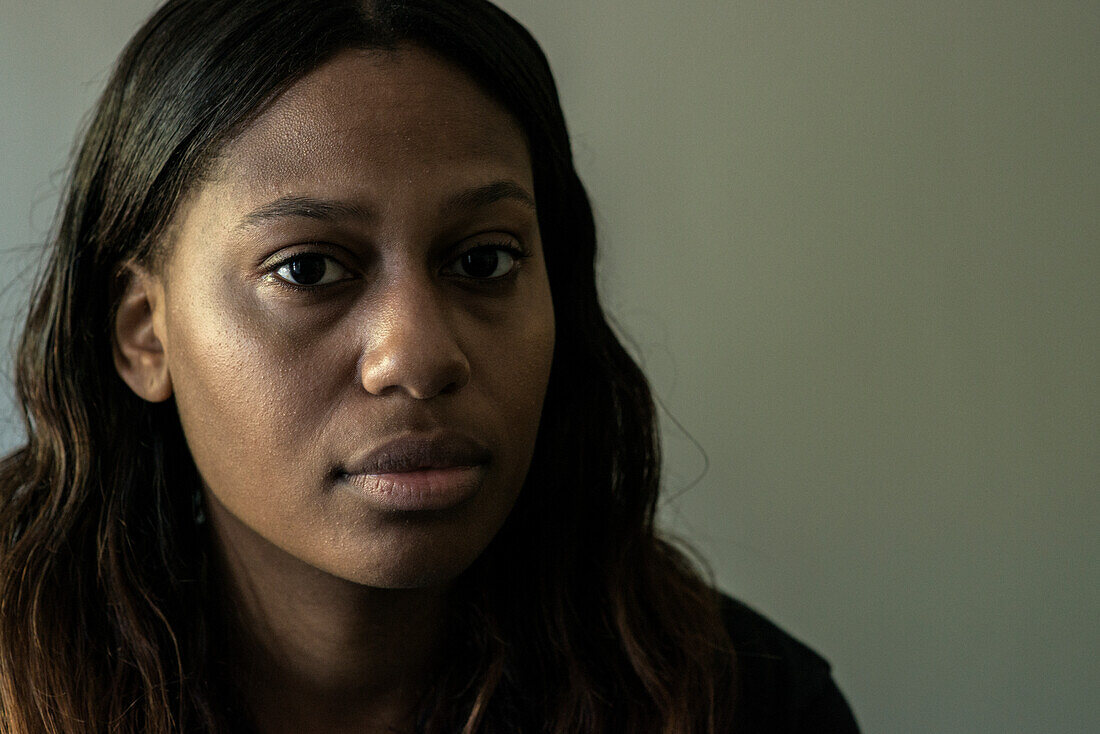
x=785 y=687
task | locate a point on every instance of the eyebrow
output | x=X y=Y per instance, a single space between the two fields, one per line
x=306 y=207
x=483 y=196
x=309 y=207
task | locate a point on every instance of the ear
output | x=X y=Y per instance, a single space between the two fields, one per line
x=139 y=335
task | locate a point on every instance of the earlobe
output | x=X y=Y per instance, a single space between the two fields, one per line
x=139 y=344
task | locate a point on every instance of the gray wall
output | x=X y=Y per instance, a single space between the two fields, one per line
x=855 y=245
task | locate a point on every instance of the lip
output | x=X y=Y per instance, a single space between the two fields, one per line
x=419 y=472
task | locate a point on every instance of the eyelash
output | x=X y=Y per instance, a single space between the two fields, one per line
x=516 y=251
x=275 y=267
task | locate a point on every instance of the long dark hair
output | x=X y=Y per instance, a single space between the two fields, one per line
x=577 y=618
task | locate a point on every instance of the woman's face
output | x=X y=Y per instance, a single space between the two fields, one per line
x=357 y=322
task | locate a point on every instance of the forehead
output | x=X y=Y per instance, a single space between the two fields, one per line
x=375 y=123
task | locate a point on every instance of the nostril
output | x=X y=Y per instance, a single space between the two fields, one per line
x=444 y=379
x=461 y=378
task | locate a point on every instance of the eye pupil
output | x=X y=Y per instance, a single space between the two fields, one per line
x=481 y=263
x=307 y=269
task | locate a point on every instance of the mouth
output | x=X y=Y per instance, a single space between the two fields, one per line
x=418 y=473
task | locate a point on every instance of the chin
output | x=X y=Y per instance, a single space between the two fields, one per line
x=426 y=562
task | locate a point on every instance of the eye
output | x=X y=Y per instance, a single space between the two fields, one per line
x=311 y=269
x=487 y=262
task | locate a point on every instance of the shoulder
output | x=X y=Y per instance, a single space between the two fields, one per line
x=784 y=687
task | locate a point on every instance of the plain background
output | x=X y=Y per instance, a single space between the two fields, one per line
x=855 y=246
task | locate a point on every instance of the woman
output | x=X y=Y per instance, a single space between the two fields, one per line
x=326 y=428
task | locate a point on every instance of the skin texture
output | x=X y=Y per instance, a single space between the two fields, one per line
x=279 y=388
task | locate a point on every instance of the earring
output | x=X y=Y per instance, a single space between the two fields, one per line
x=197 y=510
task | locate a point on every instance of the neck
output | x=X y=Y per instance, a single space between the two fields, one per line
x=314 y=652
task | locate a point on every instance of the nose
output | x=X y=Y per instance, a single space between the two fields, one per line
x=412 y=346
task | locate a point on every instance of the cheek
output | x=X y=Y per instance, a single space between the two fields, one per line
x=527 y=373
x=248 y=409
x=517 y=374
